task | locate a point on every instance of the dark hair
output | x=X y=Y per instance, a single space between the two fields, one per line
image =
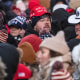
x=45 y=15
x=54 y=54
x=23 y=0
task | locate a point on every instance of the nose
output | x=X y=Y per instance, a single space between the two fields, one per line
x=39 y=55
x=13 y=29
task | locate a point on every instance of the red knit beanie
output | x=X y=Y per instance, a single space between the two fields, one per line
x=33 y=39
x=33 y=3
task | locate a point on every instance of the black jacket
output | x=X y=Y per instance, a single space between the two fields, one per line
x=13 y=40
x=10 y=57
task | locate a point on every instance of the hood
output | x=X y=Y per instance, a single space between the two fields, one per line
x=10 y=57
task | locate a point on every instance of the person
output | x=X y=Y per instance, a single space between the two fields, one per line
x=33 y=39
x=3 y=74
x=74 y=4
x=15 y=26
x=76 y=60
x=40 y=21
x=7 y=13
x=57 y=4
x=29 y=59
x=59 y=22
x=59 y=72
x=51 y=50
x=75 y=19
x=16 y=10
x=46 y=4
x=22 y=73
x=10 y=57
x=23 y=31
x=28 y=53
x=3 y=30
x=33 y=3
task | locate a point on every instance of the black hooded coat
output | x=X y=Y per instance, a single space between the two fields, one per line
x=10 y=57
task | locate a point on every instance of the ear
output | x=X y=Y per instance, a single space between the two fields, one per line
x=20 y=52
x=35 y=28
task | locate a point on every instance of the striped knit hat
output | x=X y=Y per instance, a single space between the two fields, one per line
x=59 y=73
x=3 y=36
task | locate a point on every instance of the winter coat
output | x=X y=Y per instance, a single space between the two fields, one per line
x=10 y=57
x=13 y=40
x=44 y=72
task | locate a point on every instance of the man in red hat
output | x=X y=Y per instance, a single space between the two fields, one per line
x=40 y=21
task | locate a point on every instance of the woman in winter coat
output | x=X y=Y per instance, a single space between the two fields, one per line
x=51 y=50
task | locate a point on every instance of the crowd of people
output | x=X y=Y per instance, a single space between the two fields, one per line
x=39 y=40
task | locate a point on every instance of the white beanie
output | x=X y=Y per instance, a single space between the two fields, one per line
x=57 y=6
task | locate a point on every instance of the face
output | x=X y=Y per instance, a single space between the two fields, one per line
x=22 y=32
x=43 y=24
x=26 y=2
x=77 y=28
x=14 y=31
x=17 y=12
x=43 y=55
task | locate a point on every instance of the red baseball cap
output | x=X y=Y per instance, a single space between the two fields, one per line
x=23 y=72
x=38 y=11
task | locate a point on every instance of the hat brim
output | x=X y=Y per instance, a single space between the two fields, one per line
x=40 y=14
x=72 y=19
x=49 y=13
x=14 y=25
x=45 y=13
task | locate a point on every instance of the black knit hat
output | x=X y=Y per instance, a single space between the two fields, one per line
x=61 y=16
x=35 y=19
x=53 y=2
